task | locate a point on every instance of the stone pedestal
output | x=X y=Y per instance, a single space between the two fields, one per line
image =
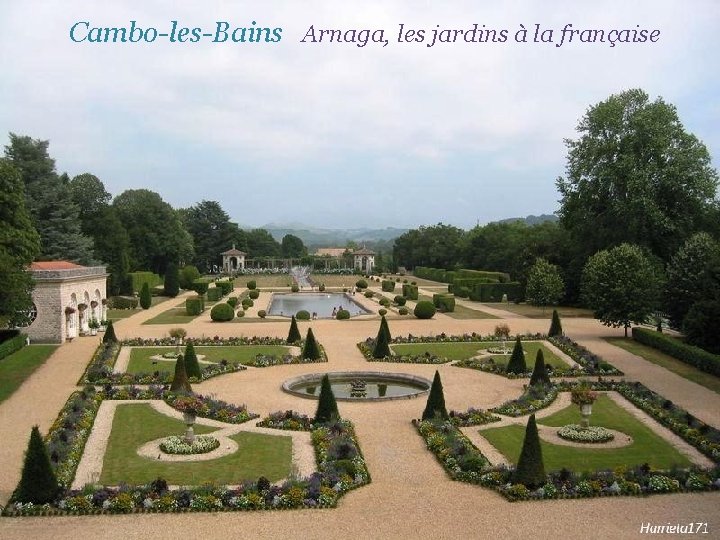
x=189 y=419
x=585 y=411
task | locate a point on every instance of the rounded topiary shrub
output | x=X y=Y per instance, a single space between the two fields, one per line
x=382 y=312
x=240 y=313
x=405 y=281
x=247 y=302
x=222 y=312
x=369 y=294
x=413 y=283
x=342 y=315
x=403 y=311
x=302 y=315
x=232 y=301
x=361 y=284
x=252 y=285
x=385 y=302
x=424 y=310
x=295 y=288
x=400 y=300
x=262 y=314
x=321 y=288
x=254 y=294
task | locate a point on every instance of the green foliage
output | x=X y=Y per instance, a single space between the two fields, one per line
x=200 y=286
x=262 y=314
x=689 y=354
x=382 y=312
x=302 y=315
x=621 y=285
x=494 y=292
x=188 y=275
x=434 y=246
x=38 y=484
x=247 y=303
x=171 y=285
x=194 y=306
x=424 y=310
x=327 y=409
x=555 y=325
x=232 y=301
x=444 y=302
x=254 y=295
x=252 y=285
x=545 y=286
x=180 y=381
x=294 y=333
x=222 y=312
x=400 y=300
x=539 y=375
x=701 y=325
x=361 y=284
x=635 y=175
x=517 y=363
x=192 y=367
x=382 y=341
x=342 y=315
x=292 y=247
x=693 y=275
x=403 y=311
x=385 y=302
x=214 y=294
x=12 y=344
x=294 y=288
x=145 y=297
x=435 y=405
x=226 y=286
x=109 y=336
x=261 y=243
x=410 y=291
x=122 y=302
x=138 y=279
x=369 y=294
x=530 y=470
x=311 y=349
x=212 y=233
x=240 y=313
x=387 y=285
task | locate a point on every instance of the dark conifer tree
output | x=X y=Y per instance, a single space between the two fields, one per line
x=110 y=336
x=180 y=381
x=555 y=325
x=436 y=400
x=145 y=296
x=311 y=350
x=294 y=333
x=327 y=409
x=539 y=375
x=382 y=346
x=517 y=363
x=172 y=280
x=38 y=484
x=192 y=368
x=530 y=469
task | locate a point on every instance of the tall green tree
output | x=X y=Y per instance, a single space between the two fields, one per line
x=382 y=341
x=55 y=215
x=621 y=285
x=171 y=283
x=212 y=233
x=293 y=247
x=635 y=175
x=530 y=470
x=437 y=246
x=691 y=276
x=517 y=363
x=38 y=484
x=545 y=286
x=261 y=243
x=19 y=246
x=157 y=235
x=435 y=405
x=327 y=409
x=294 y=332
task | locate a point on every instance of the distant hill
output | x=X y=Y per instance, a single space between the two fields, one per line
x=318 y=237
x=531 y=220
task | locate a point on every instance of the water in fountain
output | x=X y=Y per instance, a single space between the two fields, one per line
x=301 y=275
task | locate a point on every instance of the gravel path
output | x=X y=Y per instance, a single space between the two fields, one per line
x=410 y=495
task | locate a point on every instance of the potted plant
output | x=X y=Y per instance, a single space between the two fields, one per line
x=93 y=324
x=103 y=325
x=582 y=396
x=189 y=406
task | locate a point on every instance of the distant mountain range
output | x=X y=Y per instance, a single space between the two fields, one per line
x=531 y=220
x=312 y=236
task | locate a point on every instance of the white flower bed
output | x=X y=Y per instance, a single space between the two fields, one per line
x=201 y=445
x=592 y=434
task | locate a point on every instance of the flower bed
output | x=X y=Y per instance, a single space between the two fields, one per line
x=177 y=445
x=533 y=399
x=288 y=420
x=472 y=417
x=100 y=368
x=591 y=362
x=590 y=434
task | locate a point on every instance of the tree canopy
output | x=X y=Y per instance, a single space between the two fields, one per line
x=212 y=233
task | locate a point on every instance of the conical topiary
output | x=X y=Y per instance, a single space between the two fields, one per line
x=530 y=469
x=327 y=409
x=436 y=400
x=539 y=374
x=171 y=286
x=145 y=296
x=180 y=381
x=192 y=368
x=555 y=325
x=382 y=341
x=110 y=336
x=311 y=350
x=38 y=484
x=517 y=360
x=294 y=334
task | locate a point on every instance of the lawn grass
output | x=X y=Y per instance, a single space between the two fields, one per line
x=461 y=312
x=18 y=366
x=535 y=312
x=176 y=315
x=137 y=424
x=671 y=363
x=647 y=447
x=464 y=350
x=140 y=361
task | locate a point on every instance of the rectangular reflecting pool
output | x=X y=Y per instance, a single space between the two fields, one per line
x=325 y=305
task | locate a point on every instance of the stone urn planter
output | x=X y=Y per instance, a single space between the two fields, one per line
x=585 y=411
x=584 y=398
x=189 y=419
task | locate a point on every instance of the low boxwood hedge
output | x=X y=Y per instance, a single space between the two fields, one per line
x=689 y=354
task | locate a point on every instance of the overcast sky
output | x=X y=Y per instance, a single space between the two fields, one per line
x=334 y=135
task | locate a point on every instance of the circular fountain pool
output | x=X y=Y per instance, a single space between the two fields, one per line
x=359 y=385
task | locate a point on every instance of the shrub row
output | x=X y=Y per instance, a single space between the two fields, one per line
x=388 y=285
x=122 y=302
x=226 y=286
x=12 y=345
x=137 y=279
x=452 y=276
x=444 y=302
x=494 y=292
x=689 y=354
x=195 y=306
x=214 y=294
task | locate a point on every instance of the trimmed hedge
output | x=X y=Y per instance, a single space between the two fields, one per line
x=222 y=312
x=689 y=354
x=388 y=285
x=445 y=303
x=400 y=300
x=302 y=315
x=493 y=292
x=410 y=291
x=195 y=306
x=214 y=294
x=137 y=279
x=12 y=345
x=424 y=310
x=361 y=284
x=225 y=286
x=200 y=286
x=252 y=285
x=122 y=302
x=452 y=276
